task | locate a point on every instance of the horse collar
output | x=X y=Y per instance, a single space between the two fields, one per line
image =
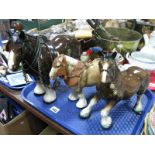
x=37 y=50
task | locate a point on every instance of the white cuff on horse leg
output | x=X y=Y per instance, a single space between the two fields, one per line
x=139 y=107
x=73 y=96
x=39 y=89
x=106 y=120
x=50 y=95
x=85 y=112
x=82 y=101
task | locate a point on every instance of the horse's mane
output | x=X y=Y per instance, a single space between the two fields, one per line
x=7 y=46
x=35 y=37
x=71 y=60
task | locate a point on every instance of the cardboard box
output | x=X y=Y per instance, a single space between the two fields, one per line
x=48 y=131
x=23 y=124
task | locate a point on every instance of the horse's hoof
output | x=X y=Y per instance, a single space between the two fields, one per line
x=138 y=109
x=73 y=97
x=39 y=91
x=85 y=113
x=106 y=122
x=48 y=98
x=81 y=103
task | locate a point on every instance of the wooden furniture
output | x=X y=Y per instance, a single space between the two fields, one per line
x=15 y=95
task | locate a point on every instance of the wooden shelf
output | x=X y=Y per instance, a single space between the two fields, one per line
x=15 y=95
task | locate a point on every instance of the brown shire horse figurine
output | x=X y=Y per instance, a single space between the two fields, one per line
x=77 y=75
x=36 y=58
x=115 y=86
x=65 y=44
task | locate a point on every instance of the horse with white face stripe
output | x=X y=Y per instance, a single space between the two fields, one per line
x=116 y=85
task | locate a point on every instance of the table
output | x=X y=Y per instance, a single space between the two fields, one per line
x=15 y=95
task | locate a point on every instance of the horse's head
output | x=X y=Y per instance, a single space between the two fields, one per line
x=59 y=67
x=14 y=47
x=17 y=26
x=108 y=69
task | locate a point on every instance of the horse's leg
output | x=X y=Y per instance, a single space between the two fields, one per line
x=138 y=107
x=44 y=65
x=39 y=88
x=86 y=111
x=106 y=120
x=82 y=101
x=50 y=94
x=73 y=96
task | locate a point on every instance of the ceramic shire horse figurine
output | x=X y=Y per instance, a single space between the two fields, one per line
x=36 y=58
x=67 y=45
x=115 y=86
x=77 y=75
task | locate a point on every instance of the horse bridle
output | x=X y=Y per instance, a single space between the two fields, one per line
x=36 y=55
x=62 y=71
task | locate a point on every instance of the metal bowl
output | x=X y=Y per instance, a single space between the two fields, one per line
x=128 y=40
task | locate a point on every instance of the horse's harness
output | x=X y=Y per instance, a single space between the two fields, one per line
x=36 y=56
x=63 y=72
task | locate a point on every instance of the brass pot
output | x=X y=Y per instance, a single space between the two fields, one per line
x=128 y=40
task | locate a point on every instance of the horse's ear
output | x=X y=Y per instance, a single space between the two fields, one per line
x=114 y=55
x=22 y=35
x=100 y=65
x=61 y=57
x=7 y=47
x=103 y=54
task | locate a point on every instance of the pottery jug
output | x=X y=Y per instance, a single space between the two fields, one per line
x=149 y=44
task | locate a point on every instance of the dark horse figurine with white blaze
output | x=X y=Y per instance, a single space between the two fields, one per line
x=115 y=86
x=36 y=59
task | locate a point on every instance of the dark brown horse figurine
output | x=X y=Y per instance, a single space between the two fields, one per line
x=67 y=45
x=36 y=54
x=36 y=59
x=115 y=86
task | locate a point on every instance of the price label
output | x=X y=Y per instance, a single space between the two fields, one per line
x=55 y=109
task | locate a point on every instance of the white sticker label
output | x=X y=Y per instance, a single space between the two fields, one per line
x=55 y=109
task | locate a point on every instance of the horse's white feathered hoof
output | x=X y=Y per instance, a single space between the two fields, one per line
x=138 y=109
x=49 y=96
x=85 y=113
x=73 y=97
x=39 y=89
x=81 y=103
x=106 y=122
